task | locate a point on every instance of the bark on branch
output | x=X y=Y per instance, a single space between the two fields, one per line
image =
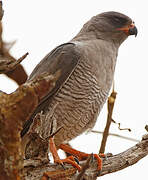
x=15 y=109
x=8 y=64
x=34 y=169
x=110 y=107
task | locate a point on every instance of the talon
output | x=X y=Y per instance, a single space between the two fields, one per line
x=62 y=166
x=99 y=161
x=92 y=157
x=71 y=160
x=76 y=159
x=82 y=155
x=99 y=172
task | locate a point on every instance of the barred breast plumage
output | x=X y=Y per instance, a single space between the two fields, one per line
x=77 y=103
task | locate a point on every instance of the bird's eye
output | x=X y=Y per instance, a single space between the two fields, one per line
x=132 y=25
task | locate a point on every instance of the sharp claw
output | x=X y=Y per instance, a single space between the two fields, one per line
x=76 y=159
x=92 y=157
x=63 y=166
x=81 y=156
x=98 y=173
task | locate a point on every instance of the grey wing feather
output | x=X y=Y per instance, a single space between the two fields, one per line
x=64 y=58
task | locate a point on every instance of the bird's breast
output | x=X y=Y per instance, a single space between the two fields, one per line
x=78 y=103
x=80 y=99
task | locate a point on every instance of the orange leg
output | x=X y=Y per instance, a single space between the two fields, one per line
x=82 y=155
x=60 y=174
x=69 y=160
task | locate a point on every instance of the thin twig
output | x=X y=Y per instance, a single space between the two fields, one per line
x=8 y=65
x=15 y=63
x=119 y=126
x=22 y=58
x=111 y=101
x=117 y=135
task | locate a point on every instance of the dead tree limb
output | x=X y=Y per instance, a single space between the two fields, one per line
x=34 y=169
x=8 y=64
x=15 y=109
x=110 y=107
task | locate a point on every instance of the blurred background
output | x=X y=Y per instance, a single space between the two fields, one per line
x=39 y=26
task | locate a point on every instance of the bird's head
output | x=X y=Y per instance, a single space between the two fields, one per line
x=111 y=26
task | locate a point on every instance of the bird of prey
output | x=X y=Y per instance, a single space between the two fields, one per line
x=87 y=64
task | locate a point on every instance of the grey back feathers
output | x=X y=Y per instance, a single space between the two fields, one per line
x=63 y=58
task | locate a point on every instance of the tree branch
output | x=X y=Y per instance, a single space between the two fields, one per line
x=34 y=169
x=116 y=135
x=8 y=64
x=15 y=109
x=110 y=107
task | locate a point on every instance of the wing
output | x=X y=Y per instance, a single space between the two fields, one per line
x=64 y=58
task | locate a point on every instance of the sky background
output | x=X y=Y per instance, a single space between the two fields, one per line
x=39 y=26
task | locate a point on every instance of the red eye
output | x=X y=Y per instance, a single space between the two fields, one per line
x=132 y=25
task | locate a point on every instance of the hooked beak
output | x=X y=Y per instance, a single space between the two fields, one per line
x=129 y=30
